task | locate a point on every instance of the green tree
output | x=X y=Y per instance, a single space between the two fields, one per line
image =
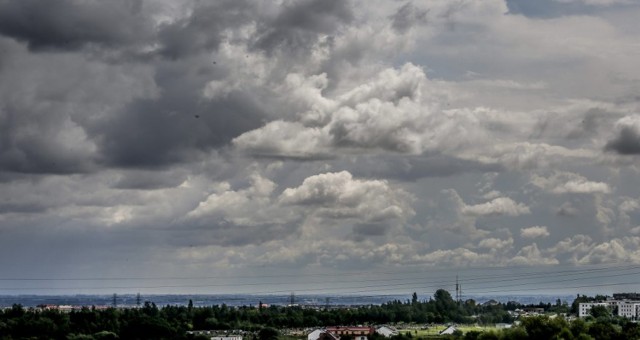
x=600 y=312
x=268 y=334
x=603 y=330
x=541 y=327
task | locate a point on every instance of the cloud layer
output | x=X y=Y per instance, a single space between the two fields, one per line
x=317 y=135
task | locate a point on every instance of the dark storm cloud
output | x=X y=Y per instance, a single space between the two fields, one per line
x=363 y=230
x=412 y=168
x=155 y=133
x=626 y=142
x=203 y=29
x=22 y=208
x=298 y=26
x=407 y=16
x=72 y=24
x=150 y=180
x=28 y=146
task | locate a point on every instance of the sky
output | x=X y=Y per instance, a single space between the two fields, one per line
x=370 y=146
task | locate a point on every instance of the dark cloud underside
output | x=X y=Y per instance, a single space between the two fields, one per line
x=72 y=24
x=627 y=142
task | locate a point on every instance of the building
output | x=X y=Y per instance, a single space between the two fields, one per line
x=626 y=296
x=449 y=330
x=629 y=309
x=323 y=334
x=219 y=335
x=585 y=308
x=230 y=337
x=386 y=331
x=356 y=332
x=315 y=335
x=533 y=310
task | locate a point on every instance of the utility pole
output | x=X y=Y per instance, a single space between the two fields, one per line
x=457 y=290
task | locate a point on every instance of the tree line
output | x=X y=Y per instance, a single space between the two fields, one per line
x=173 y=322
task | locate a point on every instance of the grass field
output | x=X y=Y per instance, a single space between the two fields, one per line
x=436 y=329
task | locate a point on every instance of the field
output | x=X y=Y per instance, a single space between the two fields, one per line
x=436 y=329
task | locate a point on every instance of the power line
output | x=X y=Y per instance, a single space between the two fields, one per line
x=404 y=281
x=352 y=273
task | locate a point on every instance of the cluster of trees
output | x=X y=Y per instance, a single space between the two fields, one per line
x=541 y=327
x=173 y=322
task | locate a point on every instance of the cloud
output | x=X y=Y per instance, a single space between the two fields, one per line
x=458 y=257
x=340 y=196
x=300 y=24
x=627 y=138
x=389 y=113
x=534 y=232
x=528 y=156
x=570 y=183
x=501 y=206
x=242 y=216
x=616 y=250
x=204 y=29
x=531 y=255
x=285 y=139
x=71 y=25
x=403 y=133
x=495 y=243
x=408 y=15
x=416 y=167
x=567 y=209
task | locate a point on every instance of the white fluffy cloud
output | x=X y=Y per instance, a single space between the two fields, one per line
x=566 y=182
x=339 y=195
x=534 y=232
x=501 y=206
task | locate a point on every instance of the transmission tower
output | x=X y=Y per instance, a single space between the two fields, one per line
x=292 y=299
x=457 y=290
x=114 y=302
x=138 y=300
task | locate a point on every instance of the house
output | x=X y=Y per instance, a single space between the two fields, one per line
x=386 y=331
x=449 y=330
x=334 y=333
x=230 y=337
x=534 y=310
x=315 y=335
x=322 y=334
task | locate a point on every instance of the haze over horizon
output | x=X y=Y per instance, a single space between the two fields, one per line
x=361 y=146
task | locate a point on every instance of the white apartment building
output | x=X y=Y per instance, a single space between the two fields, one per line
x=629 y=309
x=585 y=308
x=626 y=308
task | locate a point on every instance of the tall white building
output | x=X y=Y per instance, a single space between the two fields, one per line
x=585 y=308
x=628 y=309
